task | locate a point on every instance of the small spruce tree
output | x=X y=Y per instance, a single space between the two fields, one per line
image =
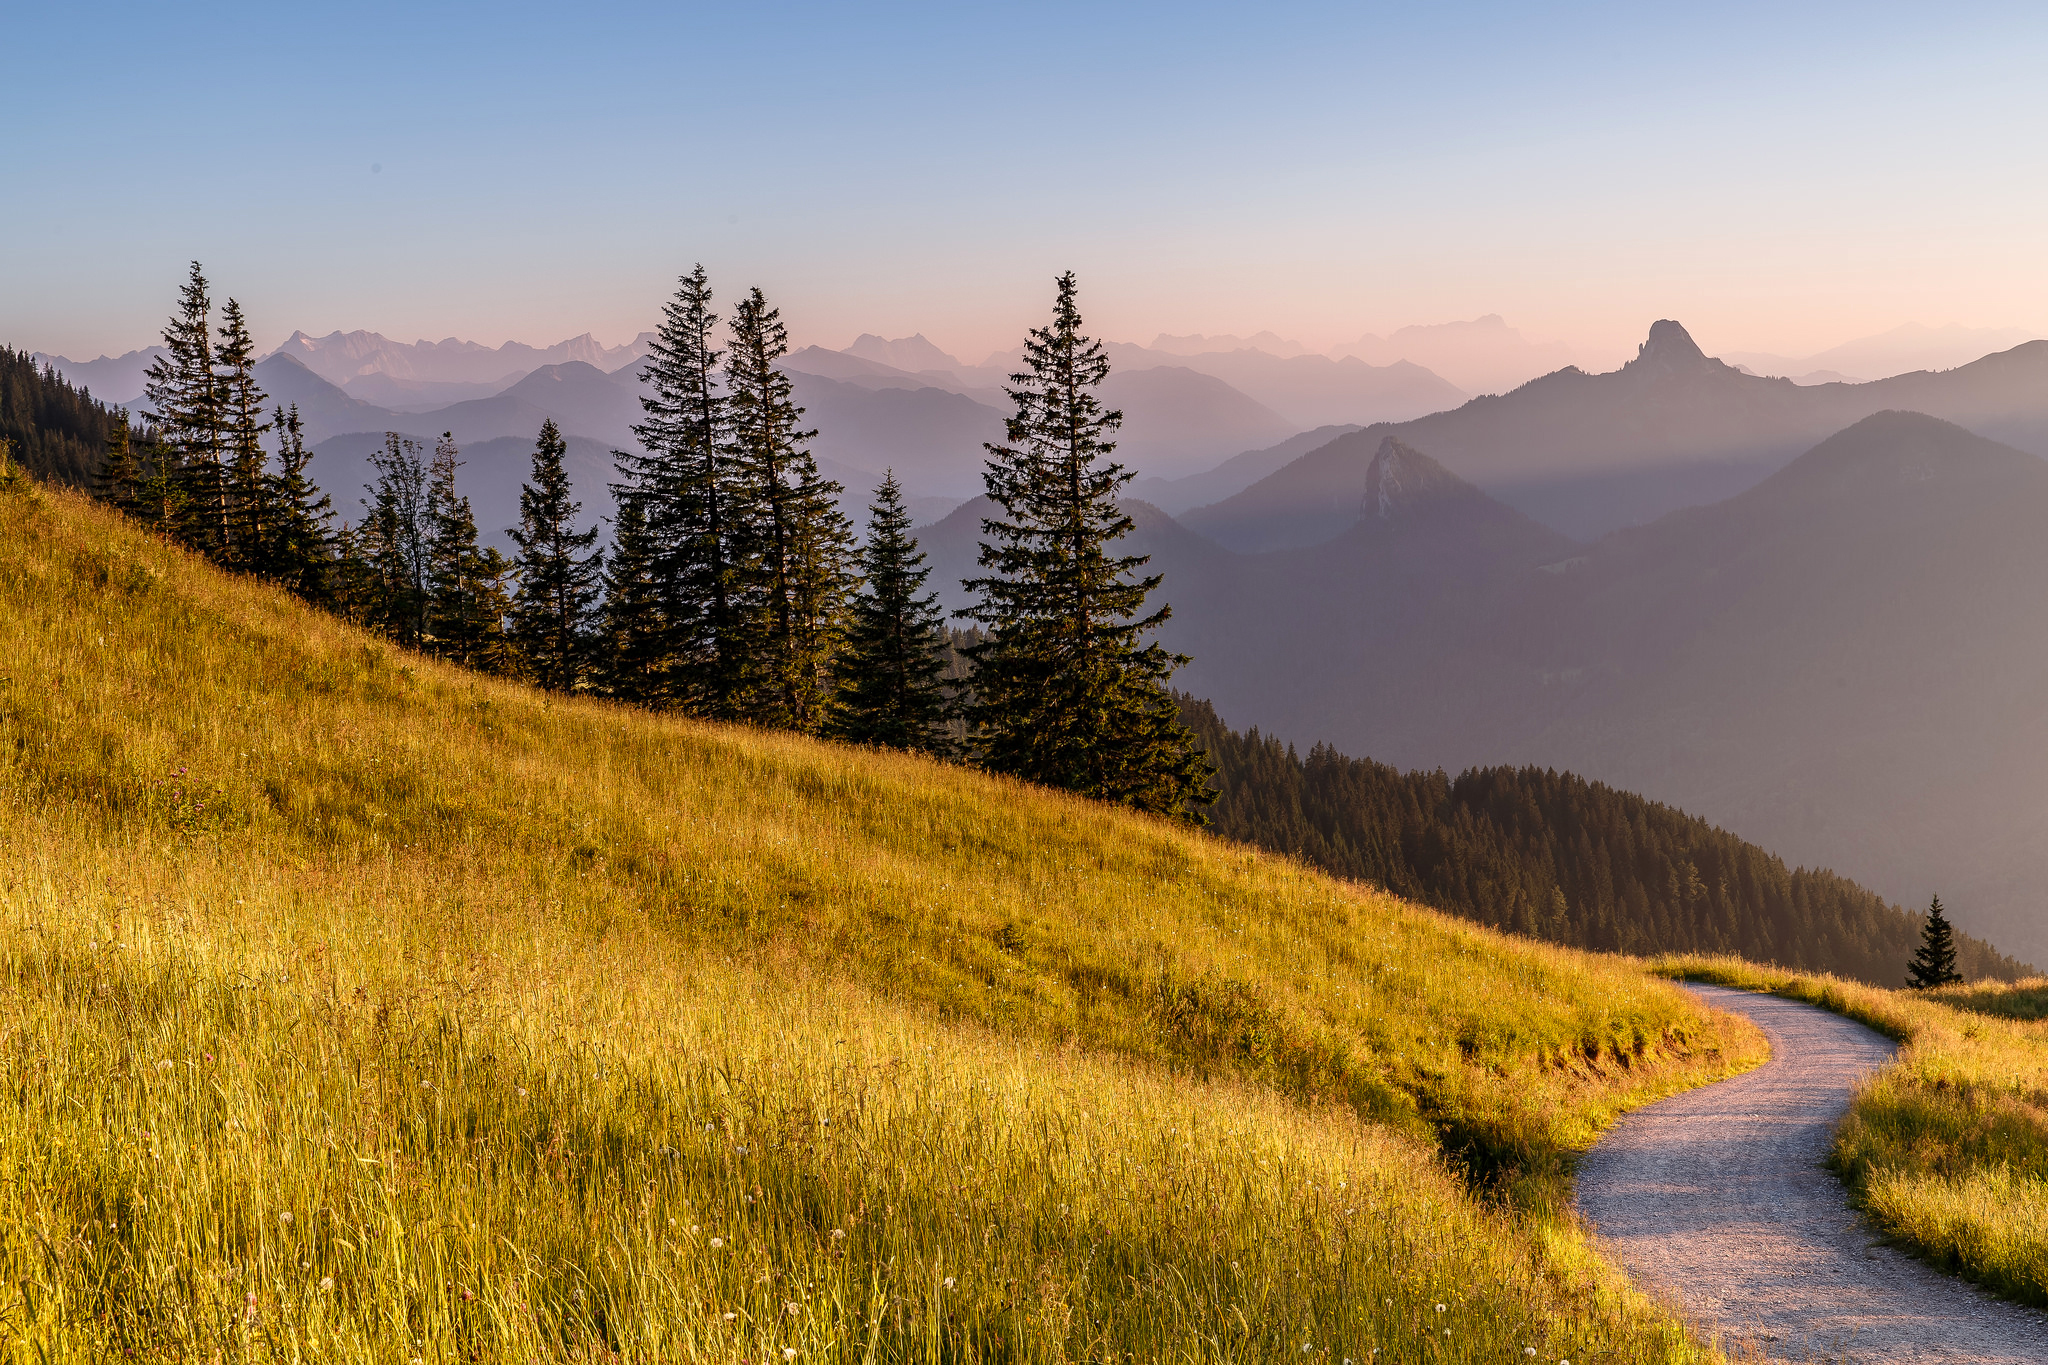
x=891 y=670
x=1934 y=962
x=1067 y=693
x=119 y=484
x=465 y=595
x=558 y=580
x=298 y=550
x=636 y=642
x=394 y=539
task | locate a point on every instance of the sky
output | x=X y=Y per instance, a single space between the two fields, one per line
x=1777 y=177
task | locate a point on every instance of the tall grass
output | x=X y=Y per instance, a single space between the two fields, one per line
x=1947 y=1149
x=356 y=1008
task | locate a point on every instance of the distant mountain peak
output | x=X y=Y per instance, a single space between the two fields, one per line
x=1669 y=347
x=1401 y=480
x=912 y=353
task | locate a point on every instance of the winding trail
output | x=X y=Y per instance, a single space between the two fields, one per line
x=1717 y=1200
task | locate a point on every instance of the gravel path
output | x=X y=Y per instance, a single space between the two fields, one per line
x=1717 y=1199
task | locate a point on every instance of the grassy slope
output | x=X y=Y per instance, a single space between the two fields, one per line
x=1947 y=1150
x=354 y=1004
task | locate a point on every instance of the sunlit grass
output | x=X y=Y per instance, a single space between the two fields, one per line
x=1947 y=1149
x=484 y=988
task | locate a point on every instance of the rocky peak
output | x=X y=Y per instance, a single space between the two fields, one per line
x=1401 y=480
x=1670 y=349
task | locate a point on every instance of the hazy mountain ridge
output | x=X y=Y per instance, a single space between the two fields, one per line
x=1846 y=663
x=340 y=357
x=1590 y=453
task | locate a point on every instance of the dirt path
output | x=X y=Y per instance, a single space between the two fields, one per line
x=1718 y=1200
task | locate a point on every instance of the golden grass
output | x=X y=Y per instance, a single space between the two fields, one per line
x=513 y=1004
x=1946 y=1149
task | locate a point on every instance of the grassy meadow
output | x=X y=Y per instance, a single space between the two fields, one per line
x=1946 y=1150
x=356 y=1008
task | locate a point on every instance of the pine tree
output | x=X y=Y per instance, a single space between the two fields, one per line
x=299 y=549
x=1934 y=963
x=557 y=581
x=798 y=544
x=466 y=598
x=686 y=489
x=635 y=654
x=184 y=407
x=891 y=688
x=119 y=484
x=351 y=582
x=1066 y=695
x=246 y=514
x=393 y=539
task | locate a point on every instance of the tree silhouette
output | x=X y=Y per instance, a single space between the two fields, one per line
x=1935 y=962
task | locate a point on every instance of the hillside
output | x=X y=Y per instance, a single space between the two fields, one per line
x=1844 y=663
x=385 y=1007
x=1587 y=454
x=56 y=429
x=1554 y=856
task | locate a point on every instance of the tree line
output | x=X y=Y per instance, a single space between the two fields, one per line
x=1557 y=857
x=734 y=588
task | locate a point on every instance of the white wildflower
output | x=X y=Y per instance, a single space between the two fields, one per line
x=717 y=1242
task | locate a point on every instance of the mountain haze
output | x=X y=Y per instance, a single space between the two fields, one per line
x=1590 y=453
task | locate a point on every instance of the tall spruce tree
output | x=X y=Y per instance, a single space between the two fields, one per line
x=798 y=545
x=891 y=670
x=298 y=550
x=1066 y=693
x=183 y=394
x=634 y=657
x=1934 y=963
x=394 y=539
x=558 y=580
x=245 y=474
x=683 y=480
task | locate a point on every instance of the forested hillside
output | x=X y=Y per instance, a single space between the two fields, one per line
x=58 y=432
x=1555 y=856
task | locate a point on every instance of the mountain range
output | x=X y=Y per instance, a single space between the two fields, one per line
x=1846 y=662
x=1587 y=454
x=1913 y=346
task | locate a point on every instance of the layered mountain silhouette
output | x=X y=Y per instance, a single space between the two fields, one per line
x=1847 y=662
x=342 y=357
x=1590 y=453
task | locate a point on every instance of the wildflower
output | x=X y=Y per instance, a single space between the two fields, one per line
x=949 y=1282
x=163 y=1066
x=790 y=1308
x=789 y=1353
x=522 y=1090
x=285 y=1218
x=327 y=1284
x=1439 y=1308
x=693 y=1229
x=717 y=1242
x=838 y=1235
x=730 y=1316
x=249 y=1306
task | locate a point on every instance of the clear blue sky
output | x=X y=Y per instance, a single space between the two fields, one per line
x=1779 y=177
